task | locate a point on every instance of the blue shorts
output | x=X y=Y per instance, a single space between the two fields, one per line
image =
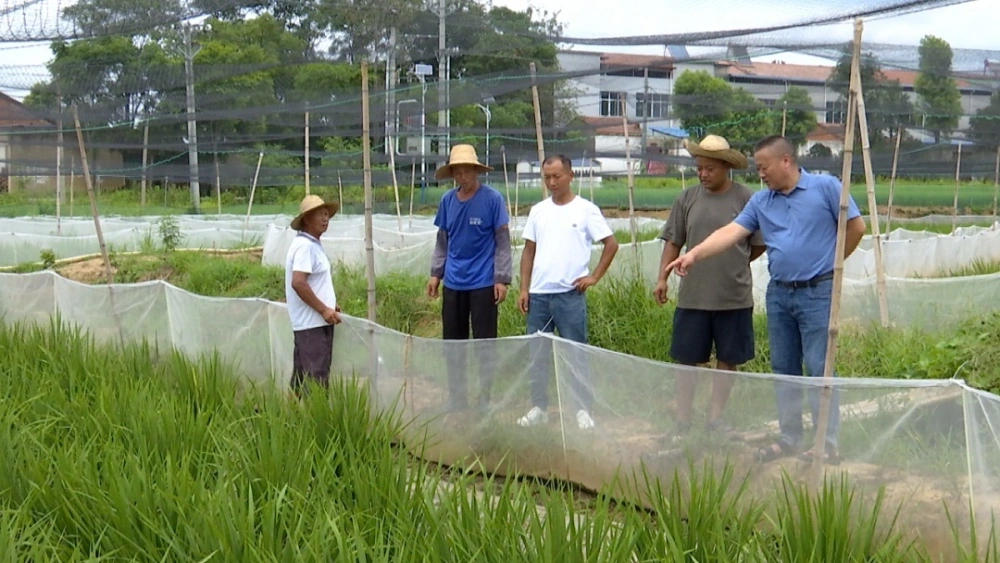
x=697 y=330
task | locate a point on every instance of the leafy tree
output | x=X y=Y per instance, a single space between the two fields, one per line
x=99 y=18
x=940 y=100
x=819 y=150
x=707 y=104
x=887 y=106
x=800 y=119
x=985 y=125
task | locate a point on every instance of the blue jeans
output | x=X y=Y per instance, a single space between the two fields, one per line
x=798 y=321
x=567 y=314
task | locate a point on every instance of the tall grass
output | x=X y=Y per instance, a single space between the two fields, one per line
x=139 y=454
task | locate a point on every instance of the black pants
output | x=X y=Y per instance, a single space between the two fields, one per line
x=312 y=356
x=461 y=309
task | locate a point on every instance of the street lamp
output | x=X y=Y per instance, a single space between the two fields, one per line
x=485 y=106
x=421 y=71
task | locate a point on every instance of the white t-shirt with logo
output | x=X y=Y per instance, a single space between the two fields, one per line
x=306 y=254
x=564 y=236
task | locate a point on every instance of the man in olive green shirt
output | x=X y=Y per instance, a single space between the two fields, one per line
x=714 y=302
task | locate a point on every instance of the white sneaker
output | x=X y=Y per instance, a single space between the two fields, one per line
x=583 y=420
x=534 y=417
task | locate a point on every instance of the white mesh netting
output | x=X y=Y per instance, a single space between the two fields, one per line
x=920 y=291
x=931 y=443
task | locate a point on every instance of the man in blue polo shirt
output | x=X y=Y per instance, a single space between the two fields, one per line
x=798 y=218
x=472 y=256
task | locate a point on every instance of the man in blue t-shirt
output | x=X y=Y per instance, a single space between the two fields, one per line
x=472 y=255
x=798 y=219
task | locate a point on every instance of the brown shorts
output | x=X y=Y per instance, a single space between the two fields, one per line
x=313 y=354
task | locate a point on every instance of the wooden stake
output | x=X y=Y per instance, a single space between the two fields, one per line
x=413 y=188
x=958 y=179
x=395 y=189
x=72 y=183
x=367 y=163
x=109 y=276
x=517 y=192
x=307 y=149
x=253 y=190
x=218 y=183
x=145 y=161
x=996 y=186
x=819 y=449
x=631 y=178
x=340 y=190
x=784 y=118
x=591 y=180
x=538 y=118
x=866 y=157
x=506 y=181
x=892 y=181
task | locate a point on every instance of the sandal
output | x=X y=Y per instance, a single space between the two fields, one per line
x=678 y=435
x=831 y=455
x=723 y=429
x=774 y=451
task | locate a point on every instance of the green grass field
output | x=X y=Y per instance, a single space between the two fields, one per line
x=650 y=195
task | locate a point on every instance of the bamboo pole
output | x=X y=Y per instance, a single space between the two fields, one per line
x=866 y=157
x=340 y=190
x=108 y=274
x=369 y=236
x=413 y=187
x=60 y=142
x=784 y=118
x=253 y=190
x=306 y=152
x=819 y=449
x=996 y=186
x=72 y=183
x=395 y=189
x=517 y=192
x=538 y=118
x=958 y=179
x=218 y=183
x=145 y=162
x=591 y=180
x=631 y=178
x=892 y=181
x=367 y=163
x=506 y=179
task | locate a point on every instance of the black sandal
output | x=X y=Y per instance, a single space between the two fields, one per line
x=775 y=451
x=831 y=456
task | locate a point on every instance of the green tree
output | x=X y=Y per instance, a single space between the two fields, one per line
x=99 y=18
x=800 y=119
x=940 y=100
x=887 y=106
x=707 y=104
x=985 y=125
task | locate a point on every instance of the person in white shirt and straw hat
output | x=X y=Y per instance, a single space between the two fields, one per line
x=715 y=301
x=472 y=257
x=309 y=294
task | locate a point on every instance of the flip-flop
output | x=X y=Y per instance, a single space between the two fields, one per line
x=831 y=455
x=775 y=451
x=720 y=427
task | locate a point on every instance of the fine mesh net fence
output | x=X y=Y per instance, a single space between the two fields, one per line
x=932 y=444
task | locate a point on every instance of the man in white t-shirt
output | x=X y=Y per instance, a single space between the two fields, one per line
x=558 y=239
x=309 y=294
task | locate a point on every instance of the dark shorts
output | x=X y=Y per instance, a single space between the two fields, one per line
x=312 y=356
x=696 y=330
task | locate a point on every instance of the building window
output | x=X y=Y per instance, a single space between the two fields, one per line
x=611 y=104
x=836 y=111
x=655 y=109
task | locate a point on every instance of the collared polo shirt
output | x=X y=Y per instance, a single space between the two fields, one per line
x=799 y=228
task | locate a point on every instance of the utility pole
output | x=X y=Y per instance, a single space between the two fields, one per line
x=390 y=119
x=442 y=12
x=190 y=50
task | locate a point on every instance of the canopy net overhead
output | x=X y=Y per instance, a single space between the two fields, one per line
x=133 y=109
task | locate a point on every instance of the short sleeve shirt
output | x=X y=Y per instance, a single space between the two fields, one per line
x=306 y=254
x=471 y=226
x=564 y=236
x=799 y=228
x=722 y=282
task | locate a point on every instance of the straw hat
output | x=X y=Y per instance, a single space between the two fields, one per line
x=714 y=146
x=312 y=203
x=461 y=154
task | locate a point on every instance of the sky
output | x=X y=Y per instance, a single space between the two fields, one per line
x=969 y=25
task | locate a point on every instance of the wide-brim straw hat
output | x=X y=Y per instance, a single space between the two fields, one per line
x=312 y=203
x=714 y=146
x=461 y=154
